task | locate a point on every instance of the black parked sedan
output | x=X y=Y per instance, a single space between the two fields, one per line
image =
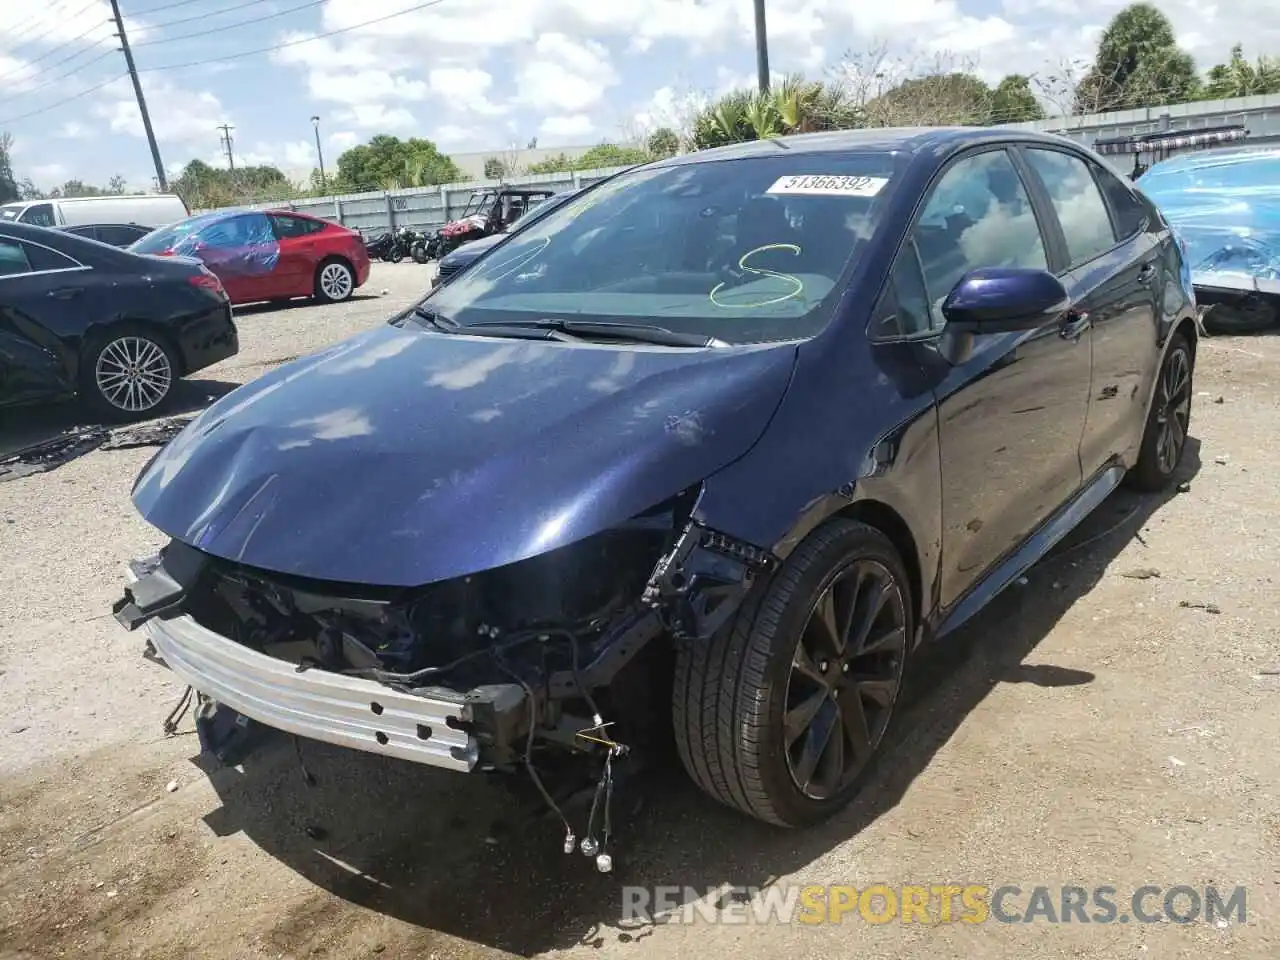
x=115 y=234
x=116 y=329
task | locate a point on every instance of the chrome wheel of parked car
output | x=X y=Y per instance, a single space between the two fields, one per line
x=1164 y=441
x=133 y=374
x=335 y=281
x=844 y=679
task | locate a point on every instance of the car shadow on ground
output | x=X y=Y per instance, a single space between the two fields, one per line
x=277 y=306
x=24 y=427
x=470 y=856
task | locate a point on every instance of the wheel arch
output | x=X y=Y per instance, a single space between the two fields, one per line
x=103 y=331
x=881 y=516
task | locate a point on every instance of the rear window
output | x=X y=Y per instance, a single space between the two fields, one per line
x=744 y=250
x=10 y=212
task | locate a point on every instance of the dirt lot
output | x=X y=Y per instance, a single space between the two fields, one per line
x=1089 y=729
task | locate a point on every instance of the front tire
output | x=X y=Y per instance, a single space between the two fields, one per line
x=780 y=713
x=335 y=281
x=128 y=374
x=1164 y=440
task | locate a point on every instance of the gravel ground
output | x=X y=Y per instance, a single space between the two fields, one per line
x=1088 y=729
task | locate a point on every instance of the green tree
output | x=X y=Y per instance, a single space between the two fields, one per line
x=663 y=143
x=1013 y=102
x=203 y=186
x=1240 y=78
x=609 y=155
x=940 y=99
x=494 y=168
x=8 y=186
x=1138 y=64
x=389 y=160
x=557 y=164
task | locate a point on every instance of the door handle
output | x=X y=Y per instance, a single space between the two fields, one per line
x=1147 y=273
x=1074 y=324
x=65 y=293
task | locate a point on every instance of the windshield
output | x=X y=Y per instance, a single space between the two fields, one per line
x=744 y=250
x=168 y=238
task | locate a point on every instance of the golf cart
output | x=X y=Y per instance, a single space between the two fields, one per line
x=486 y=213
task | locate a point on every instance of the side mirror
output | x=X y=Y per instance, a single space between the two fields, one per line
x=1003 y=300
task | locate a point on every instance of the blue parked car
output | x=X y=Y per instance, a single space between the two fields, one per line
x=715 y=445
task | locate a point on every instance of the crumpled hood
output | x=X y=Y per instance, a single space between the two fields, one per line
x=402 y=457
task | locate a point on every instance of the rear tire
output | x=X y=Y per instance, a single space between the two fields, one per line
x=1164 y=439
x=335 y=281
x=128 y=374
x=755 y=707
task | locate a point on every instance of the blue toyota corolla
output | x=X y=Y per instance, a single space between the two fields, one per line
x=720 y=441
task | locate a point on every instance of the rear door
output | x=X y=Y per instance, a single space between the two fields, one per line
x=296 y=271
x=1112 y=275
x=35 y=284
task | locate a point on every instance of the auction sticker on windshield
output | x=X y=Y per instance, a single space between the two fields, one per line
x=829 y=186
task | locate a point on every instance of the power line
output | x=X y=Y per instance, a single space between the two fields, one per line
x=39 y=18
x=292 y=43
x=63 y=76
x=49 y=106
x=168 y=6
x=231 y=26
x=211 y=13
x=85 y=9
x=58 y=63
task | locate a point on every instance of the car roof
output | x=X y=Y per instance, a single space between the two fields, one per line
x=909 y=140
x=89 y=226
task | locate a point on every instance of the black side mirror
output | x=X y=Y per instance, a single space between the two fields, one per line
x=1004 y=299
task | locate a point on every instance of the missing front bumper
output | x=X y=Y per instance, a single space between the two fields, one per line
x=437 y=727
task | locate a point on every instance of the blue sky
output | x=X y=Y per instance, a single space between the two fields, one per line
x=484 y=75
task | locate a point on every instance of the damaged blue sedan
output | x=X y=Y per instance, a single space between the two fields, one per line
x=705 y=454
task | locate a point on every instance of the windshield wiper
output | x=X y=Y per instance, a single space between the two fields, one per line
x=435 y=318
x=593 y=330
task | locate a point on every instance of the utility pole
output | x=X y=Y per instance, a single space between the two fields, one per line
x=142 y=101
x=226 y=129
x=315 y=122
x=762 y=49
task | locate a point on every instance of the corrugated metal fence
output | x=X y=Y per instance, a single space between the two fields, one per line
x=421 y=208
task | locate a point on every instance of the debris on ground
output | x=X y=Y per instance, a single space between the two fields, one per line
x=77 y=441
x=1206 y=607
x=1184 y=486
x=1220 y=400
x=172 y=786
x=1223 y=460
x=1142 y=573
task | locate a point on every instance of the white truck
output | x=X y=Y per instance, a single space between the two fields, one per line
x=149 y=210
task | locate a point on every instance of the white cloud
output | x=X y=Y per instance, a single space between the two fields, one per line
x=561 y=127
x=343 y=139
x=179 y=117
x=566 y=75
x=378 y=117
x=464 y=88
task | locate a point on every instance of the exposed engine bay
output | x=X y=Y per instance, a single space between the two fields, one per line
x=546 y=663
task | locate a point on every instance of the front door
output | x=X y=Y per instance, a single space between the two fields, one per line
x=243 y=252
x=1011 y=415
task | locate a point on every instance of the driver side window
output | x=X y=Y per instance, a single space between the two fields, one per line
x=978 y=215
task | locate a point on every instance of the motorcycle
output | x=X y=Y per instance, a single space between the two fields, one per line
x=403 y=243
x=379 y=246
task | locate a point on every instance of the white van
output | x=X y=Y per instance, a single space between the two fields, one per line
x=145 y=209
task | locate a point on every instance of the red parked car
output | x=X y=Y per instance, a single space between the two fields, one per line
x=268 y=255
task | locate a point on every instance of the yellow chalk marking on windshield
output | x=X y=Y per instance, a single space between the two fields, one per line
x=742 y=265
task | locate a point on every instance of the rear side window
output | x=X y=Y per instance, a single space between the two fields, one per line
x=1078 y=202
x=119 y=235
x=242 y=231
x=1128 y=211
x=288 y=227
x=42 y=258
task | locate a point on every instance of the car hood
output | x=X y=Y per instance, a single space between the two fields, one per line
x=403 y=457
